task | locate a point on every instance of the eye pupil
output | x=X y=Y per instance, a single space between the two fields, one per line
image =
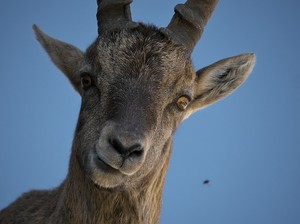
x=182 y=102
x=86 y=81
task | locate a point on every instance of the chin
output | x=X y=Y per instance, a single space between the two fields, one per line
x=105 y=176
x=108 y=180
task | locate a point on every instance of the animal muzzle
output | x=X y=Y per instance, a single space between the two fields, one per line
x=121 y=149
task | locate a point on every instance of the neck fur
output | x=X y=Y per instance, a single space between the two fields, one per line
x=82 y=201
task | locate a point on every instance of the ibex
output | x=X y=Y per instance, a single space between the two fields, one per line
x=137 y=84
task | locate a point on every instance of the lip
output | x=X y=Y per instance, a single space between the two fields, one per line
x=102 y=174
x=104 y=166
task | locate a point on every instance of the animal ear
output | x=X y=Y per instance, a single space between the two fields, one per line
x=220 y=79
x=66 y=57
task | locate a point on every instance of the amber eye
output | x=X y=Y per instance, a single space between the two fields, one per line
x=85 y=81
x=183 y=102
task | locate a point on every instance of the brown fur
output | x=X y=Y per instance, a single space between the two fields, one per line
x=78 y=200
x=135 y=77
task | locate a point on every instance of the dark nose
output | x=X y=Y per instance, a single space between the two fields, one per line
x=126 y=148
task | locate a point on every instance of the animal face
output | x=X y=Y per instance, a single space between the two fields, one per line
x=137 y=85
x=134 y=96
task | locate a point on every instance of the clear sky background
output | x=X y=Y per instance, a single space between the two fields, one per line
x=247 y=145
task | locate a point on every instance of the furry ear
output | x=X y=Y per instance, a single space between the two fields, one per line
x=66 y=57
x=220 y=79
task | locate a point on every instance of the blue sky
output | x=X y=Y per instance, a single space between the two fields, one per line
x=247 y=145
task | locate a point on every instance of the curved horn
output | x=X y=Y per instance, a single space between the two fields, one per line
x=189 y=20
x=114 y=14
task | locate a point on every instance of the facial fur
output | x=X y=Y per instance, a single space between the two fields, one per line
x=135 y=87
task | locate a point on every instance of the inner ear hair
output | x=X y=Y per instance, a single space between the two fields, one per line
x=220 y=79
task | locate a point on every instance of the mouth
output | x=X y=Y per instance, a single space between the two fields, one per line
x=104 y=175
x=100 y=164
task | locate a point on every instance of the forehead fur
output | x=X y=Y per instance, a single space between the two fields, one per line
x=143 y=52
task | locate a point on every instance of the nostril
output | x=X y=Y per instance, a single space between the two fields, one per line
x=136 y=154
x=134 y=150
x=117 y=145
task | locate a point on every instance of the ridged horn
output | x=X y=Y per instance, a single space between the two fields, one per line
x=114 y=14
x=189 y=20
